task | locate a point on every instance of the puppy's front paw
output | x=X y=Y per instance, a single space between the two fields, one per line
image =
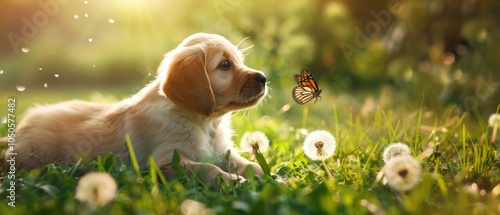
x=257 y=170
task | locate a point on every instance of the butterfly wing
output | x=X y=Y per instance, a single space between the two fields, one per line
x=304 y=76
x=302 y=95
x=307 y=88
x=308 y=80
x=298 y=78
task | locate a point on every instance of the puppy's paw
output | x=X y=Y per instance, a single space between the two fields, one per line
x=257 y=170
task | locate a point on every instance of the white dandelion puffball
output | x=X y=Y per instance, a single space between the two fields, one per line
x=494 y=120
x=192 y=207
x=96 y=188
x=254 y=140
x=395 y=149
x=319 y=145
x=402 y=173
x=20 y=88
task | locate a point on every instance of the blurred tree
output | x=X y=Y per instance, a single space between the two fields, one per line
x=446 y=49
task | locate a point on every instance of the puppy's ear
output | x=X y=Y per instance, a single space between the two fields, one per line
x=186 y=82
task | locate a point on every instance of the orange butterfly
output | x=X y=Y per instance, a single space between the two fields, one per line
x=307 y=88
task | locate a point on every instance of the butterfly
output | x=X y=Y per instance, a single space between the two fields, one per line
x=307 y=88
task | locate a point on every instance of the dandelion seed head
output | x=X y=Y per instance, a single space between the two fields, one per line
x=495 y=191
x=302 y=131
x=96 y=188
x=20 y=88
x=374 y=209
x=395 y=149
x=472 y=189
x=494 y=120
x=402 y=173
x=319 y=145
x=254 y=140
x=192 y=207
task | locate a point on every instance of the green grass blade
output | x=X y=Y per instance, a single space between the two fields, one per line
x=464 y=150
x=262 y=162
x=176 y=160
x=100 y=166
x=305 y=112
x=336 y=119
x=250 y=176
x=154 y=167
x=154 y=179
x=133 y=158
x=419 y=121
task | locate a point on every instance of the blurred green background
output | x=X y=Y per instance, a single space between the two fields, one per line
x=364 y=54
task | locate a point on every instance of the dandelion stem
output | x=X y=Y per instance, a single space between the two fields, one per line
x=252 y=154
x=400 y=196
x=494 y=134
x=330 y=176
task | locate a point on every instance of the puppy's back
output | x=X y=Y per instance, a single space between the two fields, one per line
x=62 y=131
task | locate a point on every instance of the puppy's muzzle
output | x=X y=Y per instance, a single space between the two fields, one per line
x=253 y=89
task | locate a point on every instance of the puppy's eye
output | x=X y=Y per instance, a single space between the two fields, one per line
x=225 y=65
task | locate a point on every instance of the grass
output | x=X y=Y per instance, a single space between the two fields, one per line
x=461 y=172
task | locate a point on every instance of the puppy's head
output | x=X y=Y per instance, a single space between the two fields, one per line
x=205 y=74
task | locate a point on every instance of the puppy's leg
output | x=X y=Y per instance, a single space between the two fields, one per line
x=206 y=172
x=237 y=163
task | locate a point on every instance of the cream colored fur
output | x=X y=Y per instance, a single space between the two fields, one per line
x=187 y=108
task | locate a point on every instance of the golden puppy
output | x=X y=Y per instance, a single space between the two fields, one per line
x=187 y=108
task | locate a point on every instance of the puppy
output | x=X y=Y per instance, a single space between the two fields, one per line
x=187 y=108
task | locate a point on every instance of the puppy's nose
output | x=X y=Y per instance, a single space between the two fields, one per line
x=261 y=79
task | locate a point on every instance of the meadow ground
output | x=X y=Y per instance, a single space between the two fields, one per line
x=459 y=165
